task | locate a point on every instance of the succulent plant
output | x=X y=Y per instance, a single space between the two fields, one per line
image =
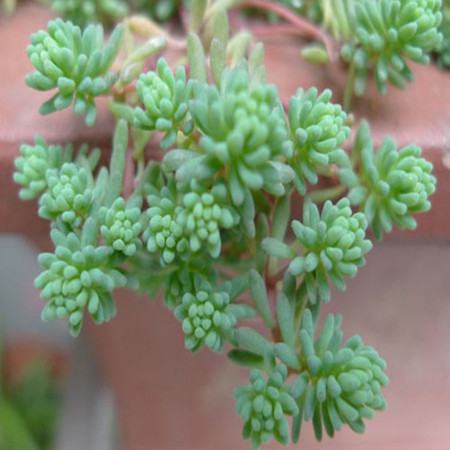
x=75 y=63
x=387 y=34
x=178 y=283
x=164 y=96
x=164 y=233
x=160 y=10
x=209 y=223
x=392 y=185
x=78 y=276
x=337 y=384
x=243 y=132
x=84 y=12
x=264 y=406
x=121 y=226
x=203 y=216
x=443 y=48
x=318 y=128
x=69 y=194
x=33 y=164
x=206 y=319
x=334 y=244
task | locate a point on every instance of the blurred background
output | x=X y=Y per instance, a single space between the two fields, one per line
x=51 y=395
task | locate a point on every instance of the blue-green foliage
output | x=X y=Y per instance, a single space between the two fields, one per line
x=318 y=129
x=69 y=194
x=243 y=136
x=164 y=97
x=186 y=222
x=338 y=383
x=84 y=12
x=206 y=319
x=78 y=276
x=264 y=405
x=163 y=233
x=108 y=12
x=209 y=224
x=32 y=166
x=121 y=226
x=333 y=244
x=204 y=214
x=75 y=63
x=388 y=33
x=443 y=49
x=159 y=10
x=392 y=185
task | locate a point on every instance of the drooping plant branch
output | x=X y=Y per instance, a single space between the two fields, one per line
x=210 y=224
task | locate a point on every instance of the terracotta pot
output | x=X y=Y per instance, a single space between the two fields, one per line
x=169 y=399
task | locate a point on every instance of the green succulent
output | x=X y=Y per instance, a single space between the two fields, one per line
x=177 y=284
x=206 y=319
x=160 y=10
x=264 y=406
x=183 y=224
x=208 y=225
x=337 y=384
x=392 y=184
x=204 y=214
x=243 y=136
x=69 y=194
x=121 y=227
x=333 y=242
x=32 y=166
x=318 y=129
x=75 y=63
x=443 y=48
x=164 y=96
x=84 y=12
x=164 y=233
x=387 y=33
x=78 y=275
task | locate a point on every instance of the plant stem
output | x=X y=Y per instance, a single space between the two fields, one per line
x=321 y=195
x=308 y=28
x=348 y=93
x=276 y=331
x=299 y=314
x=129 y=175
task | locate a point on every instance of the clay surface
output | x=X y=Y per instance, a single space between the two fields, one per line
x=421 y=115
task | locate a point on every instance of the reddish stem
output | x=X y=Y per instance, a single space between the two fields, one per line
x=276 y=29
x=128 y=178
x=304 y=26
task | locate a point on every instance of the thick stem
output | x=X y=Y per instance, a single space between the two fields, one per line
x=303 y=25
x=276 y=332
x=348 y=93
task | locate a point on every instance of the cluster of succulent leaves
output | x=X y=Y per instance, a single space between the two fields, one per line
x=380 y=37
x=109 y=12
x=387 y=34
x=443 y=49
x=75 y=63
x=82 y=12
x=209 y=224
